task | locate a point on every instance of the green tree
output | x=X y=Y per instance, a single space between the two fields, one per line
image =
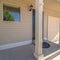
x=7 y=16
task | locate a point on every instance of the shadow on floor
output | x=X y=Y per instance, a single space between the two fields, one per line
x=53 y=47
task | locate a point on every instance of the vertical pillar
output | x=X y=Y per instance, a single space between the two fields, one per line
x=45 y=26
x=38 y=41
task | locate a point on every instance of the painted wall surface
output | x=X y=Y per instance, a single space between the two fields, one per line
x=53 y=28
x=12 y=32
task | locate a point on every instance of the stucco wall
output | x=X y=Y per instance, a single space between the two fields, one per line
x=12 y=32
x=51 y=24
x=53 y=28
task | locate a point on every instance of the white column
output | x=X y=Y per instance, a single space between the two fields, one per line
x=38 y=41
x=45 y=26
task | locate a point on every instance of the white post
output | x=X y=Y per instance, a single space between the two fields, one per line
x=38 y=41
x=45 y=26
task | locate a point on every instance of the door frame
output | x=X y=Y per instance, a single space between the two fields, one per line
x=33 y=24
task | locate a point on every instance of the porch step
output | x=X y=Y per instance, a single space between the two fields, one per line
x=53 y=55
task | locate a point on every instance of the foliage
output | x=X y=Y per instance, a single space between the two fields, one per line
x=7 y=16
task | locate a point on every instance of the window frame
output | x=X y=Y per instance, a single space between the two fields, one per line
x=14 y=6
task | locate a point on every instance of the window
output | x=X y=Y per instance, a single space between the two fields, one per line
x=11 y=13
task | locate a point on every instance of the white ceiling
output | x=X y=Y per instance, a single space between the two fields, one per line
x=52 y=4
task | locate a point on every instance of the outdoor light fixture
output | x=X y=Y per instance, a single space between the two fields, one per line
x=30 y=7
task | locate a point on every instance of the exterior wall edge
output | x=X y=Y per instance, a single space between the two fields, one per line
x=13 y=45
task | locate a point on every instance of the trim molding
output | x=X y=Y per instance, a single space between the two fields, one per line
x=56 y=38
x=13 y=45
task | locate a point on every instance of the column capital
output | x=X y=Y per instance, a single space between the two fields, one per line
x=40 y=2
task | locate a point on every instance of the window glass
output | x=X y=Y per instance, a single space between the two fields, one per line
x=11 y=13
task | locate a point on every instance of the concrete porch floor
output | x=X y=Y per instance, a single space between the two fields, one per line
x=52 y=52
x=18 y=53
x=26 y=52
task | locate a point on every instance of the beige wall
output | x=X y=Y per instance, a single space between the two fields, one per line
x=52 y=9
x=53 y=28
x=12 y=32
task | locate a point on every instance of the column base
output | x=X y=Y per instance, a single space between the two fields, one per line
x=40 y=57
x=59 y=44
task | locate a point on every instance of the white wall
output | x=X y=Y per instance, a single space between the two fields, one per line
x=53 y=28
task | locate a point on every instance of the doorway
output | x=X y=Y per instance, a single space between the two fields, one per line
x=33 y=24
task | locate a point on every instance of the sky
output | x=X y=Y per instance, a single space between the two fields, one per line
x=16 y=16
